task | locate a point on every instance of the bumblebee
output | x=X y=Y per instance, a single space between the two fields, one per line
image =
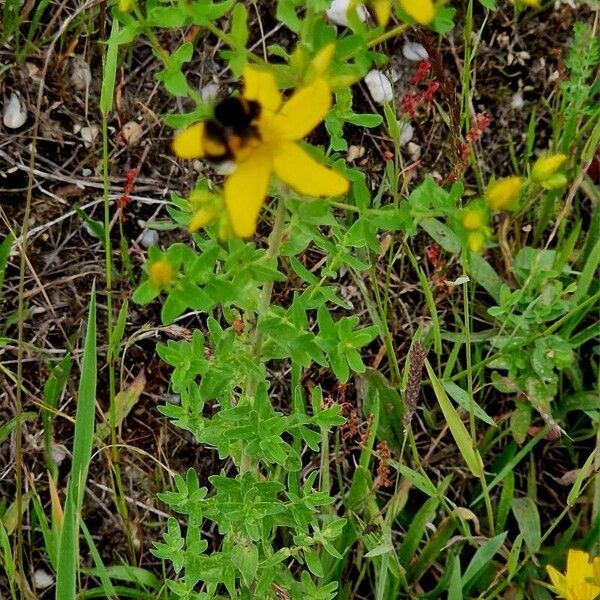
x=233 y=123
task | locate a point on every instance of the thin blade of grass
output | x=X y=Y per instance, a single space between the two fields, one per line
x=457 y=428
x=68 y=558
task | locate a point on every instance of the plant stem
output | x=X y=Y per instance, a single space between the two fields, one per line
x=264 y=302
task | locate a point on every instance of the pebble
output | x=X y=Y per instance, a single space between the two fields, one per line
x=354 y=153
x=149 y=238
x=414 y=51
x=209 y=92
x=379 y=86
x=42 y=579
x=414 y=151
x=15 y=113
x=89 y=133
x=132 y=133
x=337 y=12
x=81 y=76
x=517 y=101
x=407 y=132
x=58 y=453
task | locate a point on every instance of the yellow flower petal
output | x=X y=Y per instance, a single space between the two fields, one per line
x=596 y=570
x=559 y=581
x=546 y=166
x=383 y=10
x=188 y=143
x=304 y=174
x=320 y=63
x=578 y=565
x=261 y=86
x=245 y=192
x=422 y=11
x=501 y=194
x=303 y=111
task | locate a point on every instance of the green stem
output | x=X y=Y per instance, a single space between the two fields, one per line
x=264 y=303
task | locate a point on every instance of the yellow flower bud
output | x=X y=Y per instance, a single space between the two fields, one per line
x=125 y=5
x=556 y=182
x=161 y=273
x=476 y=241
x=422 y=11
x=545 y=166
x=473 y=218
x=502 y=194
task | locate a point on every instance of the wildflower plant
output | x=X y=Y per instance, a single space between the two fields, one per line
x=277 y=528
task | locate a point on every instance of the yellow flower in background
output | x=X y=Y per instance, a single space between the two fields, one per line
x=476 y=241
x=474 y=218
x=422 y=11
x=581 y=581
x=273 y=148
x=125 y=5
x=546 y=166
x=160 y=273
x=502 y=194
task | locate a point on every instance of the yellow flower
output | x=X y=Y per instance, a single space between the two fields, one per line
x=274 y=149
x=473 y=218
x=382 y=10
x=580 y=582
x=546 y=166
x=422 y=11
x=125 y=5
x=160 y=273
x=532 y=3
x=476 y=241
x=502 y=194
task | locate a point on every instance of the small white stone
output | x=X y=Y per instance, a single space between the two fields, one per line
x=132 y=133
x=89 y=134
x=379 y=86
x=58 y=453
x=42 y=579
x=337 y=12
x=517 y=101
x=414 y=151
x=355 y=152
x=149 y=238
x=15 y=113
x=414 y=51
x=209 y=92
x=407 y=131
x=81 y=76
x=86 y=172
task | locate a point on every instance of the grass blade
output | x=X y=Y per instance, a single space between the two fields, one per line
x=68 y=557
x=457 y=428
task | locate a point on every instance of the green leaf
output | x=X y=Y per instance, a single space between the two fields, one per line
x=244 y=558
x=457 y=428
x=528 y=519
x=313 y=562
x=110 y=70
x=485 y=553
